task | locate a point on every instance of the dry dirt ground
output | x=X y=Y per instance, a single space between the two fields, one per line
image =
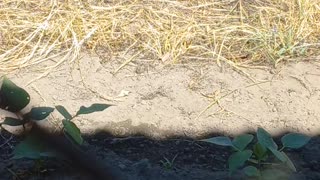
x=160 y=100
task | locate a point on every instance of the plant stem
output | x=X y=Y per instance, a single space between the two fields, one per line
x=282 y=148
x=266 y=163
x=253 y=161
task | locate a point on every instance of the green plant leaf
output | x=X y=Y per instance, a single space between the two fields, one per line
x=242 y=141
x=39 y=113
x=260 y=151
x=294 y=140
x=73 y=131
x=92 y=108
x=237 y=159
x=278 y=154
x=49 y=154
x=220 y=140
x=12 y=97
x=289 y=163
x=265 y=139
x=13 y=121
x=31 y=148
x=63 y=111
x=251 y=171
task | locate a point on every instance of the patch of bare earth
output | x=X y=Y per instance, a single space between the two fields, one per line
x=161 y=100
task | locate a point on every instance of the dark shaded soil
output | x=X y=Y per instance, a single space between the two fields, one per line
x=140 y=158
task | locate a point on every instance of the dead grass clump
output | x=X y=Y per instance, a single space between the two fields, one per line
x=233 y=31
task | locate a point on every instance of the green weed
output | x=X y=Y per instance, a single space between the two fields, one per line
x=254 y=160
x=168 y=164
x=14 y=99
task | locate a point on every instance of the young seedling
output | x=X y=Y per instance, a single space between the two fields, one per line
x=167 y=164
x=69 y=127
x=35 y=145
x=14 y=99
x=256 y=159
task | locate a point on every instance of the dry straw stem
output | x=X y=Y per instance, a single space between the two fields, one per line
x=217 y=99
x=239 y=31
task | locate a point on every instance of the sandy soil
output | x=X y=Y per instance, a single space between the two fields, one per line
x=161 y=100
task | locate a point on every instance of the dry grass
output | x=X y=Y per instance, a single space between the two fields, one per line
x=237 y=32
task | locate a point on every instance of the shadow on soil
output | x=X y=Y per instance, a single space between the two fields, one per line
x=141 y=158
